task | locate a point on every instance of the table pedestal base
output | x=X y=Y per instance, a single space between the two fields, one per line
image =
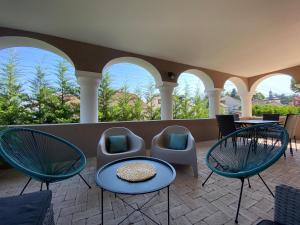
x=137 y=209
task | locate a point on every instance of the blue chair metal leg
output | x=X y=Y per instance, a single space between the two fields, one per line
x=240 y=198
x=25 y=185
x=207 y=178
x=266 y=185
x=84 y=181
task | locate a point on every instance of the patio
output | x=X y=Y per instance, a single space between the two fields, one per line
x=216 y=41
x=214 y=204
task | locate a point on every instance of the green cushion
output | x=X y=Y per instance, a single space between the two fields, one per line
x=178 y=141
x=117 y=144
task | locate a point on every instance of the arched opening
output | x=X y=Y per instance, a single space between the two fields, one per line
x=275 y=93
x=138 y=62
x=128 y=91
x=16 y=41
x=38 y=85
x=189 y=97
x=231 y=99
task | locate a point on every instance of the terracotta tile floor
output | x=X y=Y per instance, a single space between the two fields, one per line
x=191 y=203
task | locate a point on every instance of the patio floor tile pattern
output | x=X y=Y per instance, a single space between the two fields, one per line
x=213 y=204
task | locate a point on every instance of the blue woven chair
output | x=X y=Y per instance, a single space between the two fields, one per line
x=243 y=157
x=41 y=156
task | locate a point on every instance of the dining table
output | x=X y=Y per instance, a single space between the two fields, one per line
x=255 y=122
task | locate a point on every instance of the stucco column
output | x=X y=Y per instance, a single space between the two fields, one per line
x=213 y=101
x=89 y=83
x=246 y=102
x=166 y=93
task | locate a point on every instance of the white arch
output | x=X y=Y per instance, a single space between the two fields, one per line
x=16 y=41
x=139 y=62
x=240 y=85
x=257 y=82
x=207 y=81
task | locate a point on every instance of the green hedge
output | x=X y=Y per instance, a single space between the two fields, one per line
x=259 y=110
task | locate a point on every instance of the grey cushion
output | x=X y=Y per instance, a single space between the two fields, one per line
x=27 y=209
x=177 y=141
x=117 y=144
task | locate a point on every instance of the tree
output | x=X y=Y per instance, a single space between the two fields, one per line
x=199 y=106
x=12 y=98
x=293 y=86
x=124 y=112
x=258 y=96
x=67 y=109
x=43 y=99
x=105 y=99
x=284 y=99
x=137 y=109
x=176 y=104
x=152 y=112
x=183 y=103
x=233 y=93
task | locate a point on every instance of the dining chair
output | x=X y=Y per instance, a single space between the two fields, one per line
x=291 y=123
x=269 y=116
x=225 y=124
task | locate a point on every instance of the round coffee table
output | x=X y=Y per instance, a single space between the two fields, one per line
x=107 y=180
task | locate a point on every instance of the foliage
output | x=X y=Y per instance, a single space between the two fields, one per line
x=259 y=110
x=105 y=99
x=186 y=106
x=284 y=99
x=233 y=93
x=41 y=103
x=12 y=110
x=66 y=111
x=293 y=86
x=151 y=112
x=122 y=105
x=259 y=96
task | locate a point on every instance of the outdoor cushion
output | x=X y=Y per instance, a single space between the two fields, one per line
x=268 y=222
x=117 y=144
x=27 y=209
x=178 y=141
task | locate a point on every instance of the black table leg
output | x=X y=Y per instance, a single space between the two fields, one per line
x=102 y=206
x=168 y=205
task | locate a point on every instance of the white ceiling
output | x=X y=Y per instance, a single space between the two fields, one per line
x=242 y=37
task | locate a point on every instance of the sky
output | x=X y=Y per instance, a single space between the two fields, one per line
x=135 y=77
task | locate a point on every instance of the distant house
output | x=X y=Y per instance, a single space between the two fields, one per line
x=119 y=94
x=296 y=101
x=271 y=99
x=230 y=104
x=156 y=102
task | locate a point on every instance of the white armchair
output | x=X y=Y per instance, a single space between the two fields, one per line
x=136 y=146
x=187 y=156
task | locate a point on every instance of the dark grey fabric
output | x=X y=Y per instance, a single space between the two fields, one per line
x=27 y=209
x=287 y=205
x=267 y=222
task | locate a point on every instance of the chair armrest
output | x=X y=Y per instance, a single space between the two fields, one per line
x=102 y=146
x=137 y=143
x=157 y=141
x=190 y=142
